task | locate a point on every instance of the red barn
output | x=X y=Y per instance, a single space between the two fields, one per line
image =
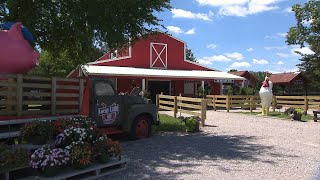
x=156 y=64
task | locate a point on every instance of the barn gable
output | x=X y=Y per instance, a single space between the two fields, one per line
x=159 y=51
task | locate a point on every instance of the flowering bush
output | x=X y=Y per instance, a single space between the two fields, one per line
x=37 y=128
x=46 y=157
x=115 y=149
x=60 y=125
x=80 y=154
x=78 y=134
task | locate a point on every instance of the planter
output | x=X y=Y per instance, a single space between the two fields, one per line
x=296 y=117
x=103 y=159
x=49 y=171
x=79 y=166
x=37 y=140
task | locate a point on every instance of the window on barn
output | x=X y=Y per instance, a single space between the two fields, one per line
x=114 y=54
x=104 y=89
x=188 y=87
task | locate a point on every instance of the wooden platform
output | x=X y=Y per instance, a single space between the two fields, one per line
x=94 y=171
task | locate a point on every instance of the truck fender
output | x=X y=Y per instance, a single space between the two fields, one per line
x=139 y=110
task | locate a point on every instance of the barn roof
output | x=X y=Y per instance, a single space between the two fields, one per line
x=244 y=74
x=285 y=77
x=155 y=73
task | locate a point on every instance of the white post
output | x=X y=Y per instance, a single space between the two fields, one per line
x=143 y=84
x=202 y=85
x=242 y=84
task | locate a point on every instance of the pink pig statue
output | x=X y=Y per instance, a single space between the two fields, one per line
x=16 y=54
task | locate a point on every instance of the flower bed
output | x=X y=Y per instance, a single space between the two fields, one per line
x=74 y=142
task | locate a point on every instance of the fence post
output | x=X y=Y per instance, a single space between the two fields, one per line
x=53 y=95
x=251 y=103
x=274 y=103
x=306 y=103
x=157 y=100
x=214 y=103
x=203 y=111
x=228 y=103
x=175 y=107
x=19 y=91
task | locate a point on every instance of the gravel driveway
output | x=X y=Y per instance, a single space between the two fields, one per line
x=232 y=146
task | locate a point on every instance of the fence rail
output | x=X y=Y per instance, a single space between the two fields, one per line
x=29 y=95
x=251 y=102
x=193 y=106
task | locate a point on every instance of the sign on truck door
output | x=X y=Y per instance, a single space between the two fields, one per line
x=107 y=104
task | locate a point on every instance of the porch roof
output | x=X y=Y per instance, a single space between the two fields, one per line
x=155 y=73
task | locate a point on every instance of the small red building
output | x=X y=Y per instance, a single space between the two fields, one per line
x=293 y=83
x=156 y=64
x=250 y=80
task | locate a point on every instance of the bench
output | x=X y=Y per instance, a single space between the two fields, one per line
x=315 y=116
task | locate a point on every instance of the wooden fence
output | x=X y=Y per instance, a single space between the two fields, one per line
x=193 y=106
x=251 y=102
x=26 y=95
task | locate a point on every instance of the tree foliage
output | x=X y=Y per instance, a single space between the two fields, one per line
x=307 y=33
x=75 y=29
x=190 y=56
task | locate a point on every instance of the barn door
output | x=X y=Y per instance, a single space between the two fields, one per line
x=158 y=55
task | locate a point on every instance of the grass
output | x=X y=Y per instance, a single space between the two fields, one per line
x=169 y=124
x=281 y=115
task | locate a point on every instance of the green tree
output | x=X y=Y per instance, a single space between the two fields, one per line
x=190 y=56
x=232 y=70
x=307 y=33
x=73 y=29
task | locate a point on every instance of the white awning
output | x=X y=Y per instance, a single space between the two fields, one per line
x=156 y=73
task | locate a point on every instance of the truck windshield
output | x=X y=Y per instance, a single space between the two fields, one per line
x=104 y=89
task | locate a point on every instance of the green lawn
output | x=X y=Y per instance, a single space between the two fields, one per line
x=281 y=115
x=169 y=124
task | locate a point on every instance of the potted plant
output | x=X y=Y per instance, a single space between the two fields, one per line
x=192 y=124
x=295 y=113
x=80 y=154
x=12 y=158
x=47 y=160
x=114 y=148
x=37 y=132
x=102 y=149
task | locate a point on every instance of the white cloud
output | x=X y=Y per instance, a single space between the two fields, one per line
x=283 y=55
x=241 y=8
x=205 y=62
x=261 y=61
x=282 y=34
x=304 y=50
x=280 y=62
x=178 y=30
x=191 y=31
x=221 y=2
x=175 y=29
x=239 y=64
x=288 y=10
x=217 y=58
x=235 y=55
x=250 y=49
x=180 y=13
x=275 y=47
x=271 y=37
x=211 y=46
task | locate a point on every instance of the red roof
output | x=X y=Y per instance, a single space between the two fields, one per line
x=285 y=77
x=245 y=74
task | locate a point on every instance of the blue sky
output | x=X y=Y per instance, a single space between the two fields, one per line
x=236 y=34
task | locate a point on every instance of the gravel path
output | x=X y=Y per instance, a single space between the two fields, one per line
x=232 y=146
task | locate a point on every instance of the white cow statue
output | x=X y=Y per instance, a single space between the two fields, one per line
x=266 y=96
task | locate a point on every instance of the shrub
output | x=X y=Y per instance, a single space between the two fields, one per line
x=11 y=158
x=40 y=128
x=192 y=124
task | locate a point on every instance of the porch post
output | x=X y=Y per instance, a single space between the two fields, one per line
x=202 y=85
x=143 y=84
x=242 y=84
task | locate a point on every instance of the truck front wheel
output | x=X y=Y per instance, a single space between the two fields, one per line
x=141 y=128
